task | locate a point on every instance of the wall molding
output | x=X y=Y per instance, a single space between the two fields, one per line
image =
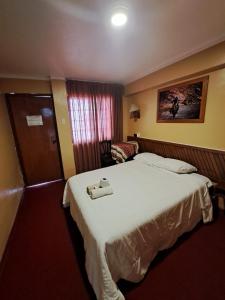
x=206 y=61
x=185 y=78
x=180 y=57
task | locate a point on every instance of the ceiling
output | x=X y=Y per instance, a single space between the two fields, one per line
x=74 y=38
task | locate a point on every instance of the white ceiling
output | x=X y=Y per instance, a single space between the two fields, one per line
x=74 y=38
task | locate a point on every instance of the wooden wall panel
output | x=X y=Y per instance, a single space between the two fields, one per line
x=210 y=163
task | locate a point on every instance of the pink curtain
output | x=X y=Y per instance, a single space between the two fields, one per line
x=96 y=115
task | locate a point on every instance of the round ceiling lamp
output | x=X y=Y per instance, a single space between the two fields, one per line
x=119 y=19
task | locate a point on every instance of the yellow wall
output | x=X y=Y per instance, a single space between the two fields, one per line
x=126 y=104
x=194 y=66
x=63 y=124
x=14 y=85
x=209 y=134
x=11 y=182
x=57 y=88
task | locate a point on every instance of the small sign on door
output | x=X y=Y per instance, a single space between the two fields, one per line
x=34 y=120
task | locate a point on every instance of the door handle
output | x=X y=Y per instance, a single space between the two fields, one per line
x=53 y=140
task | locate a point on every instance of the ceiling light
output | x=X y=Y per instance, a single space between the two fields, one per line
x=119 y=19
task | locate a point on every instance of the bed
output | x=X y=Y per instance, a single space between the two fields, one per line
x=149 y=209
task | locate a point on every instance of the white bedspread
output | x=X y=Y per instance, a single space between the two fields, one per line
x=123 y=232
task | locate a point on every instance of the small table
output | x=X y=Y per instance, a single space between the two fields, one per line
x=220 y=188
x=218 y=191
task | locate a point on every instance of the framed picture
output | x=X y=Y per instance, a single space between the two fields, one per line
x=184 y=102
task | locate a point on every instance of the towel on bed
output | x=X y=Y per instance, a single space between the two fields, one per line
x=92 y=187
x=100 y=192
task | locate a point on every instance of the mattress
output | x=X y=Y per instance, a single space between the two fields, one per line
x=149 y=209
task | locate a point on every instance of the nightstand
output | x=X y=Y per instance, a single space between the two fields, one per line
x=216 y=192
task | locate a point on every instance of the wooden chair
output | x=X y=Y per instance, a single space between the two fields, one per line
x=105 y=154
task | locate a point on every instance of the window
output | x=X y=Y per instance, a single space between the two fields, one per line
x=91 y=119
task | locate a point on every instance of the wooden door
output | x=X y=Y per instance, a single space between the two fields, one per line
x=34 y=126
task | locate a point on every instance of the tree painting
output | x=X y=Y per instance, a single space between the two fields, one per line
x=184 y=102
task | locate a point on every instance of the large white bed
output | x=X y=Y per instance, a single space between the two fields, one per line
x=149 y=209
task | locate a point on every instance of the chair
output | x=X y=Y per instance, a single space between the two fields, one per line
x=105 y=154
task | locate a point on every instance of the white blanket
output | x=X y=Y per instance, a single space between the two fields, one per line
x=123 y=232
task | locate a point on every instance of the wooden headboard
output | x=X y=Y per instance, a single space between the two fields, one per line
x=210 y=163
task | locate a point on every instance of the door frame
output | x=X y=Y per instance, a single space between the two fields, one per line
x=50 y=96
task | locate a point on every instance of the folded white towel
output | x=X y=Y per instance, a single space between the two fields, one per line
x=100 y=192
x=92 y=187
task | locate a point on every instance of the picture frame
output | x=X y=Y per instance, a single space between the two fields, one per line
x=184 y=102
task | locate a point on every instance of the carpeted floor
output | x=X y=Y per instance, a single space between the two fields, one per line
x=45 y=258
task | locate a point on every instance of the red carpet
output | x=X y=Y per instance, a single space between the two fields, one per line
x=45 y=258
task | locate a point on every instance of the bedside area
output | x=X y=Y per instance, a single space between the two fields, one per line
x=217 y=193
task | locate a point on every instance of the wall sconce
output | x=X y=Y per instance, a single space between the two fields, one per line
x=134 y=112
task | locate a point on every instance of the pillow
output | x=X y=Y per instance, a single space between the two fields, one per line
x=148 y=158
x=175 y=165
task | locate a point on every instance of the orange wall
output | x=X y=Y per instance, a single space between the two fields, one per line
x=143 y=92
x=11 y=183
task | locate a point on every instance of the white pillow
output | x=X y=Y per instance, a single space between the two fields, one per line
x=175 y=165
x=148 y=158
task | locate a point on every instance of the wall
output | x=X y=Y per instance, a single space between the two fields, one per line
x=57 y=88
x=196 y=65
x=11 y=182
x=63 y=124
x=209 y=134
x=12 y=85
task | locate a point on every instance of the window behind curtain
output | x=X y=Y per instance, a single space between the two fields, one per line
x=83 y=122
x=96 y=115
